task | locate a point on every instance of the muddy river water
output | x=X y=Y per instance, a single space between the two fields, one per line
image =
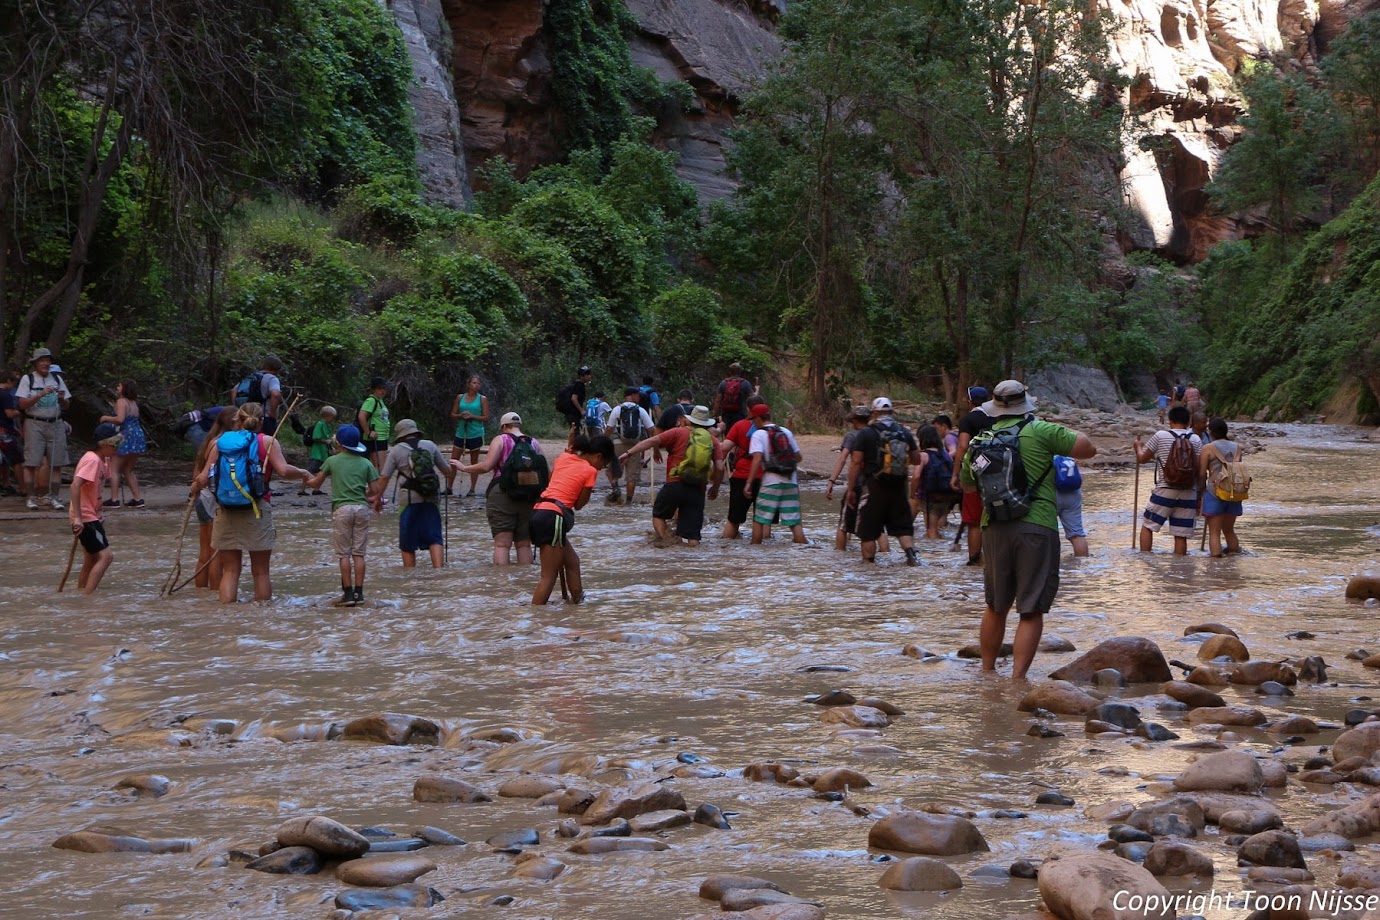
x=709 y=651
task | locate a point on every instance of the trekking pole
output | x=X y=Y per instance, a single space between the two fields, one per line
x=445 y=542
x=193 y=576
x=72 y=554
x=1135 y=504
x=176 y=572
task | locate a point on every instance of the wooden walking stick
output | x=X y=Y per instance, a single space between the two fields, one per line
x=1135 y=502
x=71 y=555
x=190 y=578
x=176 y=572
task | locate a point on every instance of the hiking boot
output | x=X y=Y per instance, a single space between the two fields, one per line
x=470 y=494
x=55 y=504
x=975 y=560
x=359 y=595
x=31 y=504
x=347 y=597
x=615 y=498
x=912 y=557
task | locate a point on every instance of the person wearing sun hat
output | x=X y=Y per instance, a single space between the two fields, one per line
x=419 y=525
x=694 y=461
x=88 y=524
x=41 y=396
x=354 y=481
x=1020 y=554
x=509 y=506
x=973 y=423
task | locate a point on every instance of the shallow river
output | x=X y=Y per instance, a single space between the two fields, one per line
x=701 y=650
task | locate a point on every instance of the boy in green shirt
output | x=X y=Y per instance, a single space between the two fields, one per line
x=354 y=481
x=318 y=440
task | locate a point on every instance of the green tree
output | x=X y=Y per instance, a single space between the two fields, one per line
x=1352 y=69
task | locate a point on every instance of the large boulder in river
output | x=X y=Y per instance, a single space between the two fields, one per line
x=323 y=835
x=392 y=728
x=1059 y=696
x=1359 y=819
x=1361 y=741
x=920 y=873
x=1175 y=857
x=927 y=835
x=1139 y=661
x=1228 y=771
x=1083 y=886
x=1271 y=848
x=1185 y=807
x=1254 y=673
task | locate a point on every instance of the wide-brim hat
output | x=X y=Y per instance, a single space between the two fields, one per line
x=41 y=353
x=1009 y=398
x=405 y=429
x=700 y=416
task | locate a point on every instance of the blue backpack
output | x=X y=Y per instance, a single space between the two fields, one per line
x=1067 y=476
x=238 y=477
x=592 y=414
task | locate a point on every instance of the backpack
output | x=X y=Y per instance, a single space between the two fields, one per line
x=592 y=412
x=893 y=451
x=630 y=422
x=732 y=399
x=939 y=473
x=563 y=399
x=525 y=474
x=423 y=481
x=695 y=469
x=1180 y=470
x=238 y=476
x=780 y=458
x=250 y=389
x=997 y=465
x=1180 y=392
x=644 y=397
x=1231 y=482
x=1067 y=476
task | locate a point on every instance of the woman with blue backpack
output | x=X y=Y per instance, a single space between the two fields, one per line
x=239 y=467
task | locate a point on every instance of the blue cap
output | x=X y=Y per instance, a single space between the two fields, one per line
x=105 y=431
x=978 y=394
x=348 y=438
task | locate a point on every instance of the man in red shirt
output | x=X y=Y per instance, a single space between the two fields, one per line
x=740 y=497
x=694 y=461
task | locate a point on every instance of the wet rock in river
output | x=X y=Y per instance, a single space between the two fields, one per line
x=1125 y=833
x=447 y=791
x=834 y=698
x=856 y=716
x=323 y=835
x=1229 y=771
x=1139 y=660
x=1223 y=647
x=1123 y=716
x=770 y=773
x=927 y=835
x=1359 y=875
x=629 y=801
x=294 y=860
x=839 y=779
x=1191 y=695
x=1053 y=798
x=1313 y=669
x=145 y=785
x=1357 y=716
x=1253 y=673
x=1215 y=628
x=1249 y=821
x=911 y=650
x=1321 y=777
x=1052 y=644
x=1363 y=587
x=568 y=827
x=1226 y=715
x=1294 y=725
x=795 y=911
x=710 y=816
x=595 y=846
x=1182 y=806
x=920 y=873
x=974 y=651
x=619 y=828
x=392 y=728
x=890 y=709
x=715 y=887
x=524 y=837
x=1206 y=676
x=1319 y=842
x=1044 y=731
x=745 y=899
x=1108 y=677
x=96 y=842
x=1174 y=857
x=360 y=899
x=1172 y=826
x=572 y=801
x=541 y=869
x=1059 y=696
x=1135 y=852
x=1357 y=654
x=439 y=838
x=1271 y=848
x=530 y=786
x=1153 y=731
x=654 y=821
x=1082 y=887
x=1025 y=868
x=384 y=871
x=1361 y=741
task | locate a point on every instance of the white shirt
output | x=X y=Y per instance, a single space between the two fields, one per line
x=761 y=444
x=603 y=409
x=48 y=406
x=615 y=419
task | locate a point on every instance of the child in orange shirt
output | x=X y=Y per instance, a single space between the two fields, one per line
x=84 y=507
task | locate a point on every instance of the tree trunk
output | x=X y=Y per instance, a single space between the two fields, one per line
x=822 y=327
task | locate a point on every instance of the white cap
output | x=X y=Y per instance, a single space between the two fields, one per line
x=881 y=404
x=510 y=418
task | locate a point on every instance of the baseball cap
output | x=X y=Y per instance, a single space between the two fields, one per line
x=881 y=404
x=978 y=394
x=760 y=410
x=584 y=369
x=861 y=412
x=510 y=418
x=107 y=434
x=348 y=438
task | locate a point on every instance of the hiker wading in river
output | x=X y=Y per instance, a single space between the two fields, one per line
x=553 y=516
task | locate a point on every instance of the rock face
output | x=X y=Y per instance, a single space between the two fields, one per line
x=1083 y=887
x=928 y=835
x=1139 y=661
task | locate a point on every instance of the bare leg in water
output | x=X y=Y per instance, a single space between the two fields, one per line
x=1026 y=643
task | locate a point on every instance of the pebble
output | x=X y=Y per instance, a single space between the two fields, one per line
x=1121 y=715
x=715 y=887
x=541 y=869
x=840 y=779
x=1273 y=688
x=1025 y=868
x=710 y=816
x=531 y=786
x=384 y=871
x=294 y=860
x=1108 y=677
x=1135 y=852
x=1044 y=731
x=770 y=773
x=1153 y=731
x=439 y=838
x=1053 y=798
x=855 y=716
x=594 y=846
x=443 y=790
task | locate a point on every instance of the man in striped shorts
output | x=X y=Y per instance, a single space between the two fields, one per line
x=1174 y=502
x=775 y=455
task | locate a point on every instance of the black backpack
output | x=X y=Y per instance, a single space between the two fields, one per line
x=780 y=458
x=939 y=473
x=250 y=389
x=525 y=474
x=630 y=427
x=995 y=459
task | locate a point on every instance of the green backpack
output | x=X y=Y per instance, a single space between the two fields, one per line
x=698 y=464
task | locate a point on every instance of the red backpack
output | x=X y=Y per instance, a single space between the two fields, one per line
x=732 y=399
x=1180 y=470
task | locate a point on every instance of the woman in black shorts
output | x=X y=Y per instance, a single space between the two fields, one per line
x=553 y=516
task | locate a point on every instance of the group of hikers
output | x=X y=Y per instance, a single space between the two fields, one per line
x=1014 y=478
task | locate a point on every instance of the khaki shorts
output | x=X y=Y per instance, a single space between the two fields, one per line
x=45 y=439
x=239 y=529
x=506 y=515
x=350 y=530
x=633 y=468
x=1020 y=567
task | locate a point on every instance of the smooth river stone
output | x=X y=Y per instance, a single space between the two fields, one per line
x=1058 y=696
x=1083 y=886
x=920 y=873
x=288 y=861
x=1191 y=695
x=445 y=790
x=541 y=869
x=145 y=784
x=1258 y=672
x=533 y=786
x=927 y=835
x=839 y=779
x=746 y=899
x=654 y=821
x=95 y=842
x=1223 y=647
x=1175 y=857
x=595 y=846
x=630 y=801
x=1271 y=848
x=392 y=728
x=1229 y=771
x=1226 y=715
x=358 y=899
x=384 y=871
x=1138 y=659
x=855 y=716
x=716 y=886
x=323 y=835
x=1361 y=741
x=439 y=838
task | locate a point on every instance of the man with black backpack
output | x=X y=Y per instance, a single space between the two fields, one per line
x=628 y=423
x=1174 y=501
x=422 y=470
x=883 y=454
x=264 y=387
x=730 y=403
x=775 y=457
x=1011 y=467
x=570 y=401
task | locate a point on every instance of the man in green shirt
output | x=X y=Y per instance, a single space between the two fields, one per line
x=1021 y=552
x=354 y=481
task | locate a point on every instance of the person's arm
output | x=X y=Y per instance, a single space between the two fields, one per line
x=374 y=490
x=121 y=410
x=488 y=464
x=754 y=472
x=455 y=408
x=920 y=473
x=315 y=482
x=963 y=439
x=364 y=416
x=1083 y=448
x=855 y=468
x=74 y=502
x=483 y=410
x=275 y=402
x=1204 y=460
x=203 y=478
x=278 y=463
x=718 y=398
x=834 y=476
x=1143 y=453
x=645 y=444
x=583 y=500
x=575 y=403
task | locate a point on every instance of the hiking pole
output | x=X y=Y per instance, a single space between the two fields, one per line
x=72 y=554
x=192 y=577
x=176 y=572
x=445 y=541
x=1135 y=503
